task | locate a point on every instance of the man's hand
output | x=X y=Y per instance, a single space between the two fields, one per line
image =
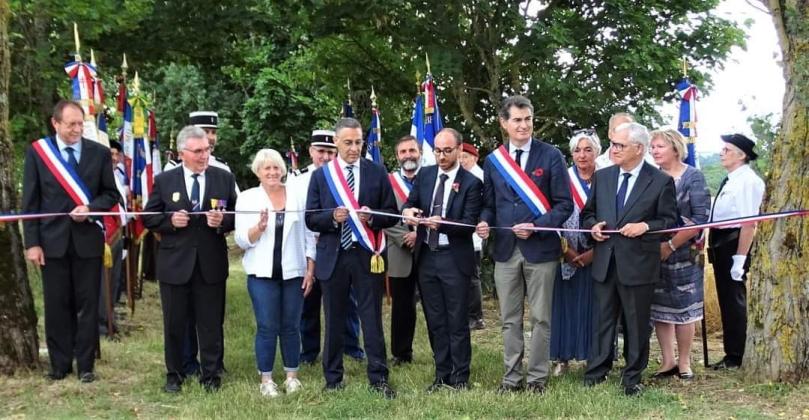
x=432 y=222
x=364 y=216
x=570 y=256
x=308 y=282
x=179 y=219
x=584 y=259
x=340 y=214
x=482 y=230
x=35 y=255
x=522 y=230
x=595 y=232
x=665 y=251
x=214 y=218
x=409 y=239
x=76 y=214
x=633 y=230
x=411 y=216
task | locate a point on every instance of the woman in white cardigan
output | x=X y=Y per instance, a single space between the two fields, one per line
x=279 y=254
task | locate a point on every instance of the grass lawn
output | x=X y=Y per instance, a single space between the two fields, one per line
x=131 y=375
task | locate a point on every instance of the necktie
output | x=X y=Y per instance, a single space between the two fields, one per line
x=713 y=206
x=519 y=157
x=71 y=158
x=438 y=208
x=345 y=235
x=621 y=197
x=195 y=201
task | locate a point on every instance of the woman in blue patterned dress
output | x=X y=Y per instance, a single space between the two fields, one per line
x=677 y=303
x=571 y=319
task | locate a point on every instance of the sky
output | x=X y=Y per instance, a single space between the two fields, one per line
x=751 y=82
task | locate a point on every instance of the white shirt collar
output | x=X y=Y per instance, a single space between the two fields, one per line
x=452 y=173
x=187 y=172
x=525 y=147
x=343 y=164
x=740 y=171
x=61 y=145
x=635 y=171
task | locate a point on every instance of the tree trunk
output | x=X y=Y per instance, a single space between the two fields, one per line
x=18 y=320
x=777 y=347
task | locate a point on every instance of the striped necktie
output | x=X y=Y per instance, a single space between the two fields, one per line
x=345 y=235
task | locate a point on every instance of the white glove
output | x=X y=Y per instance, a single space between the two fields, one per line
x=737 y=271
x=124 y=253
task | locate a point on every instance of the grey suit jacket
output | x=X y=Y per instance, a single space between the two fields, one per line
x=400 y=256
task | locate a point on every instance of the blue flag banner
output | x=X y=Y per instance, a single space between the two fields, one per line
x=426 y=120
x=374 y=138
x=687 y=124
x=348 y=111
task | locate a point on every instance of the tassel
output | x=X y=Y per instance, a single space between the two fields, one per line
x=377 y=264
x=107 y=256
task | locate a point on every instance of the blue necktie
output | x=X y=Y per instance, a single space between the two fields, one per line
x=195 y=201
x=345 y=235
x=71 y=158
x=621 y=197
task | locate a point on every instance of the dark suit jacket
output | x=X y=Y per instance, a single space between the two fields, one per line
x=180 y=248
x=43 y=194
x=652 y=200
x=503 y=207
x=462 y=206
x=375 y=193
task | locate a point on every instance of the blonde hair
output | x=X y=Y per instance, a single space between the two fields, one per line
x=612 y=125
x=264 y=155
x=674 y=139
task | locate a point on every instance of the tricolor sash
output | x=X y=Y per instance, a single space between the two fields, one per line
x=62 y=171
x=579 y=189
x=401 y=186
x=73 y=185
x=374 y=243
x=519 y=181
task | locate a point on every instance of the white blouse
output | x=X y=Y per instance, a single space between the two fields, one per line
x=298 y=241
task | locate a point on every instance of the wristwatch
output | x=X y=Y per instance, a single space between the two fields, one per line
x=671 y=245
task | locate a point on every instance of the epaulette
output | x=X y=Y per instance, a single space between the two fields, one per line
x=221 y=161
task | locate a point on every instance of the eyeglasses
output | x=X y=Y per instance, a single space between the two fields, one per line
x=199 y=152
x=445 y=151
x=620 y=146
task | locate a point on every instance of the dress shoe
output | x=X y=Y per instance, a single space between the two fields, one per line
x=666 y=373
x=212 y=384
x=505 y=388
x=56 y=376
x=725 y=363
x=398 y=361
x=686 y=376
x=384 y=388
x=333 y=386
x=436 y=386
x=591 y=382
x=172 y=387
x=358 y=356
x=87 y=377
x=633 y=390
x=477 y=324
x=536 y=387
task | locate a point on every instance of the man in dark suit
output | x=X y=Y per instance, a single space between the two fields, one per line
x=526 y=261
x=344 y=254
x=634 y=198
x=444 y=256
x=192 y=263
x=68 y=249
x=401 y=241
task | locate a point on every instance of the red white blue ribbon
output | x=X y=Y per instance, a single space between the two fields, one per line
x=400 y=185
x=519 y=181
x=375 y=243
x=62 y=171
x=579 y=189
x=83 y=76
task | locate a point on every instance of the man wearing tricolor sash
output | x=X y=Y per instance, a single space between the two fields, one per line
x=68 y=174
x=351 y=250
x=401 y=239
x=525 y=185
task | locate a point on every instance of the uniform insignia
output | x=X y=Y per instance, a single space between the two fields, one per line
x=175 y=197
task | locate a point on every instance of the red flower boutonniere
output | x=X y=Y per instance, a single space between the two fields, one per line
x=456 y=186
x=537 y=172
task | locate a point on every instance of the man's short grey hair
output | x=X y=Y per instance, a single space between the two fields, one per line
x=638 y=133
x=189 y=132
x=346 y=123
x=593 y=139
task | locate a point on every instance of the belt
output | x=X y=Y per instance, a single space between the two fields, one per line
x=720 y=237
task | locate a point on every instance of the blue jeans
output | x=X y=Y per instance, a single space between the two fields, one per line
x=277 y=305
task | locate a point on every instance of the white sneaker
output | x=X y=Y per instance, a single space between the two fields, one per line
x=292 y=385
x=269 y=389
